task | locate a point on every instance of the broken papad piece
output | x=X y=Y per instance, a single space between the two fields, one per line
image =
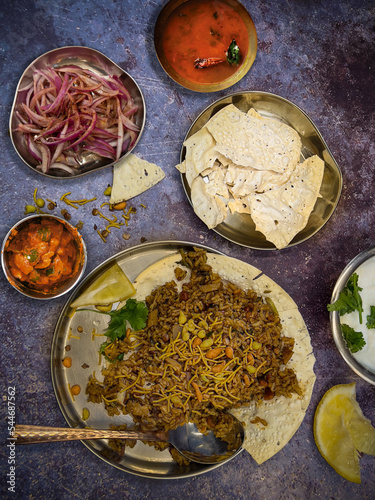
x=288 y=134
x=249 y=143
x=283 y=212
x=243 y=181
x=211 y=209
x=200 y=154
x=133 y=176
x=269 y=425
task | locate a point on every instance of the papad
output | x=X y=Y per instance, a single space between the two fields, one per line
x=133 y=176
x=283 y=212
x=250 y=142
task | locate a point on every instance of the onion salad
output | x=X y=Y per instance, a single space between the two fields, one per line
x=70 y=112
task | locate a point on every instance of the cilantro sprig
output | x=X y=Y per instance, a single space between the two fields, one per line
x=134 y=313
x=349 y=299
x=354 y=340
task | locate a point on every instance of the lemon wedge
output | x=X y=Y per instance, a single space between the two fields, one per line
x=111 y=286
x=341 y=431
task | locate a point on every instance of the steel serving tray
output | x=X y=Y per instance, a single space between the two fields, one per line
x=240 y=228
x=86 y=58
x=142 y=460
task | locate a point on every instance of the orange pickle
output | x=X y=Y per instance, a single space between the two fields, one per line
x=42 y=255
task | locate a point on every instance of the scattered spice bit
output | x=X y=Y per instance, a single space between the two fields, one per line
x=258 y=420
x=118 y=206
x=108 y=191
x=75 y=390
x=66 y=214
x=85 y=365
x=126 y=236
x=95 y=211
x=39 y=202
x=104 y=204
x=105 y=233
x=68 y=347
x=143 y=239
x=102 y=237
x=79 y=329
x=79 y=225
x=143 y=206
x=67 y=362
x=95 y=227
x=74 y=203
x=29 y=209
x=85 y=413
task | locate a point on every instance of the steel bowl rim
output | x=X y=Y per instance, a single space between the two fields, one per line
x=348 y=270
x=77 y=278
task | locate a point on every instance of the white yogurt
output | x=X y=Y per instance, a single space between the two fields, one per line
x=366 y=281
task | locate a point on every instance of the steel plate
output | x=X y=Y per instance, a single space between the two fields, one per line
x=240 y=228
x=142 y=460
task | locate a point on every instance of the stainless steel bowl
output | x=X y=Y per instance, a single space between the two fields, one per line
x=359 y=369
x=160 y=26
x=83 y=57
x=64 y=287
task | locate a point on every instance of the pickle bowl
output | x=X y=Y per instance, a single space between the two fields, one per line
x=42 y=276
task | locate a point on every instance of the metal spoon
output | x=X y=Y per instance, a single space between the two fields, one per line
x=187 y=439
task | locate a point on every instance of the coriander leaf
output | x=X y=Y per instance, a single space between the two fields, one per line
x=349 y=299
x=354 y=340
x=133 y=312
x=371 y=318
x=136 y=314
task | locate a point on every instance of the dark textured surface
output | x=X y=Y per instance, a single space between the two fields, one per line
x=320 y=55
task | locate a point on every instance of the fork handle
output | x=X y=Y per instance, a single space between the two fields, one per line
x=28 y=434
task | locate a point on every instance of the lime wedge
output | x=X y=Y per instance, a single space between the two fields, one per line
x=341 y=431
x=111 y=286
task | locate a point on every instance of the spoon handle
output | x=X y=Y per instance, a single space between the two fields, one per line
x=28 y=434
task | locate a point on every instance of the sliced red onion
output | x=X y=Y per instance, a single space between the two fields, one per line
x=70 y=110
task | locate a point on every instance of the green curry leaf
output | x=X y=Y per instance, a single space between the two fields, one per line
x=233 y=53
